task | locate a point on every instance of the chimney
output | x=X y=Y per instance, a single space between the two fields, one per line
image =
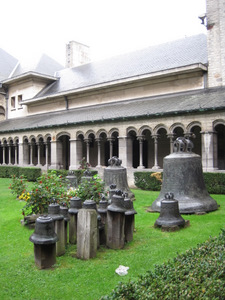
x=76 y=54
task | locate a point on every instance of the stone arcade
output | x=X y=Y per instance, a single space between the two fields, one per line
x=126 y=106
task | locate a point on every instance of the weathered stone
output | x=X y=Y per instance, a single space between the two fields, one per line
x=54 y=213
x=75 y=205
x=87 y=234
x=44 y=239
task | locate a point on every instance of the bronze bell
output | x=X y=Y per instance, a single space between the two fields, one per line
x=117 y=174
x=169 y=214
x=44 y=232
x=75 y=205
x=89 y=204
x=183 y=176
x=117 y=203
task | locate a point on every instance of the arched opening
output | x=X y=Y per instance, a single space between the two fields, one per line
x=93 y=150
x=132 y=136
x=163 y=145
x=64 y=152
x=178 y=132
x=196 y=139
x=148 y=149
x=104 y=149
x=220 y=130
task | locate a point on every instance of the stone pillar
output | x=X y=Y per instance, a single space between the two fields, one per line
x=87 y=141
x=111 y=140
x=75 y=205
x=3 y=154
x=116 y=222
x=125 y=151
x=99 y=152
x=10 y=154
x=75 y=155
x=140 y=139
x=155 y=137
x=39 y=153
x=129 y=219
x=102 y=211
x=171 y=136
x=54 y=213
x=54 y=157
x=64 y=212
x=31 y=154
x=87 y=233
x=207 y=151
x=16 y=154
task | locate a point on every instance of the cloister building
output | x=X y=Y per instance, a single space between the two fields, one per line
x=132 y=106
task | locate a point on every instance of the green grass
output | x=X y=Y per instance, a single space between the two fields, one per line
x=76 y=279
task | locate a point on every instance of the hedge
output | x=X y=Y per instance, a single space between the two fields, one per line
x=215 y=182
x=199 y=273
x=30 y=173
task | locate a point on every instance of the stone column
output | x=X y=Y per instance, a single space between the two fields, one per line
x=87 y=141
x=31 y=154
x=54 y=158
x=87 y=233
x=125 y=151
x=207 y=150
x=155 y=137
x=111 y=140
x=171 y=136
x=10 y=154
x=99 y=152
x=140 y=139
x=74 y=154
x=39 y=153
x=46 y=155
x=3 y=154
x=16 y=154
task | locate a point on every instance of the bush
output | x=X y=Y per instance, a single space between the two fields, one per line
x=18 y=185
x=148 y=180
x=199 y=273
x=215 y=182
x=48 y=188
x=30 y=173
x=90 y=189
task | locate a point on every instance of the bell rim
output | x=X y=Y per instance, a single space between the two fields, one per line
x=43 y=240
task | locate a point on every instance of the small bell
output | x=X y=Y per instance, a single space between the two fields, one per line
x=169 y=214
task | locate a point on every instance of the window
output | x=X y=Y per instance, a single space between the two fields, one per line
x=13 y=102
x=20 y=98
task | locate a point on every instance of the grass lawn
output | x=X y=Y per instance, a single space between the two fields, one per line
x=76 y=279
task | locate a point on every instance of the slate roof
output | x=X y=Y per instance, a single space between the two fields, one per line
x=175 y=54
x=151 y=107
x=44 y=65
x=7 y=64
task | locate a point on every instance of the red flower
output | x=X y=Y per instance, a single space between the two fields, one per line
x=36 y=190
x=40 y=182
x=47 y=187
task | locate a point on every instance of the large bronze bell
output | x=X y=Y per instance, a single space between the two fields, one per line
x=183 y=176
x=169 y=214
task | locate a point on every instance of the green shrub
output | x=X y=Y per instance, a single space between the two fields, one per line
x=215 y=182
x=30 y=173
x=199 y=273
x=145 y=181
x=18 y=185
x=49 y=187
x=91 y=189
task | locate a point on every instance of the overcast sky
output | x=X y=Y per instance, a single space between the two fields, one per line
x=110 y=27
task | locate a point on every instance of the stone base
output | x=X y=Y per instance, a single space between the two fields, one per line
x=115 y=230
x=45 y=255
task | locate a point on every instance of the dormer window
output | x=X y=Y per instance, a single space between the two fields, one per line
x=13 y=102
x=20 y=99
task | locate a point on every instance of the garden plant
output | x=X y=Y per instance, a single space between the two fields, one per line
x=151 y=254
